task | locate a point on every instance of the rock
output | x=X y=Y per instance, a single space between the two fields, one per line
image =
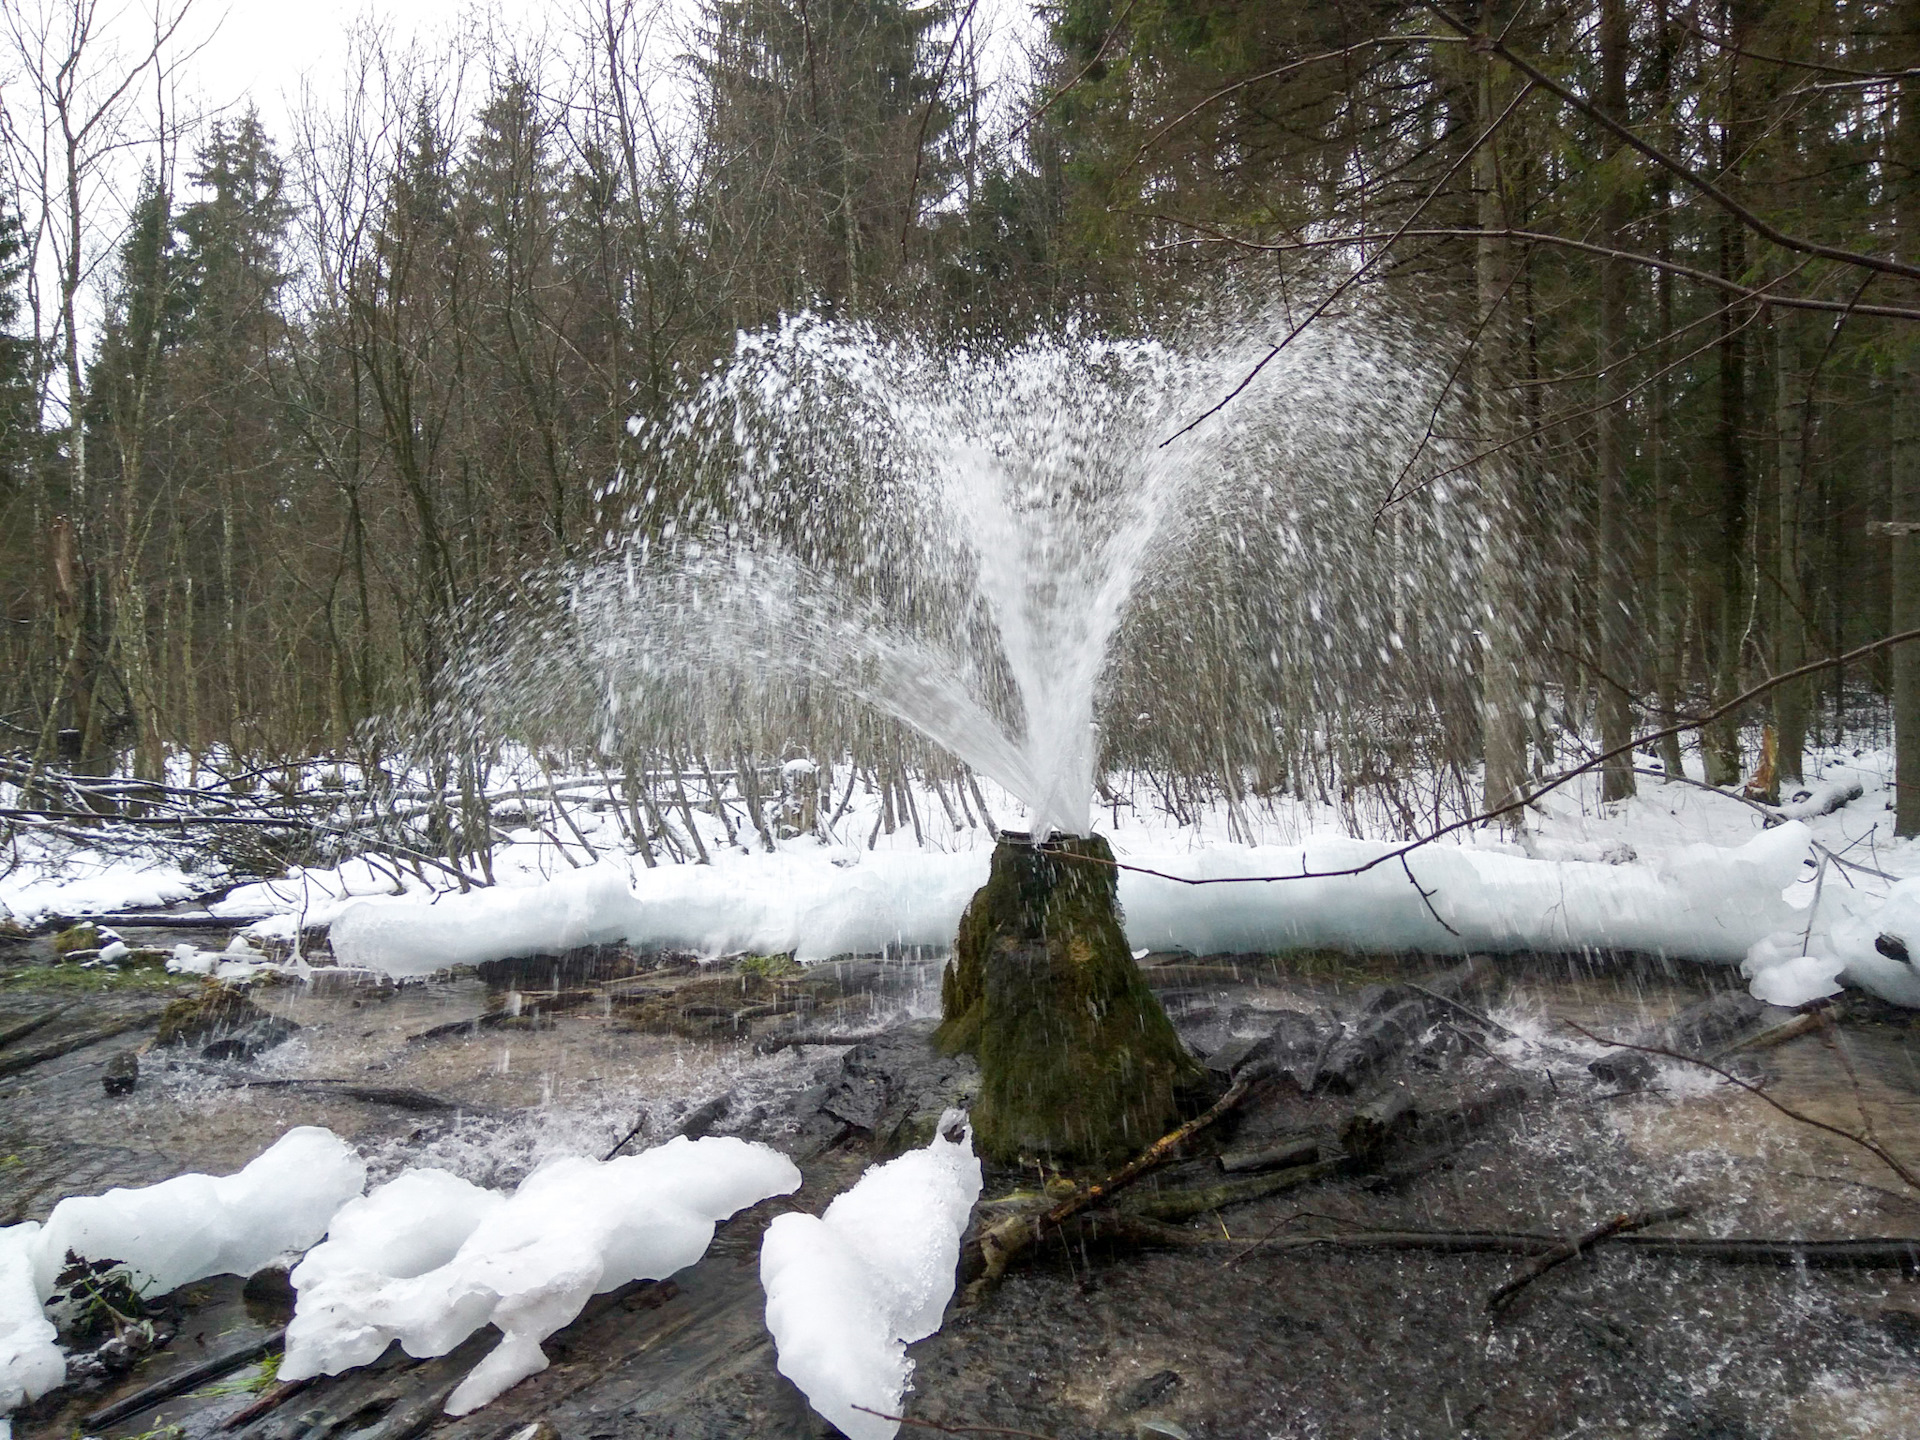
x=1147 y=1391
x=269 y=1296
x=1293 y=1048
x=223 y=1022
x=122 y=1073
x=1628 y=1069
x=859 y=1094
x=1713 y=1024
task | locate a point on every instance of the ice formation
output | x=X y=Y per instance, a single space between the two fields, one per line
x=30 y=1363
x=847 y=1290
x=1703 y=902
x=180 y=1230
x=428 y=1258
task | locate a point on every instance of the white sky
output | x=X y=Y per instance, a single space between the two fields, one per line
x=260 y=50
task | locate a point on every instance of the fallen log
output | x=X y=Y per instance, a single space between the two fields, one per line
x=1874 y=1253
x=26 y=1059
x=27 y=1027
x=398 y=1097
x=183 y=1380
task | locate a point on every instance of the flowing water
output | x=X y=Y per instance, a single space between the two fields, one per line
x=1036 y=559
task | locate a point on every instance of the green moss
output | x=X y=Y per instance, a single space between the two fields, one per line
x=1078 y=1062
x=84 y=936
x=75 y=978
x=767 y=967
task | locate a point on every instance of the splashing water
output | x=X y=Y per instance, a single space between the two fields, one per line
x=957 y=539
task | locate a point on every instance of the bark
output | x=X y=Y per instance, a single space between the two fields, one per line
x=1078 y=1062
x=1503 y=688
x=1613 y=627
x=1904 y=468
x=1792 y=406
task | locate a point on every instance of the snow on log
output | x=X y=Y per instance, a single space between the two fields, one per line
x=1702 y=902
x=847 y=1290
x=428 y=1258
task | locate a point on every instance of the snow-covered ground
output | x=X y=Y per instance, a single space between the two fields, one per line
x=1678 y=869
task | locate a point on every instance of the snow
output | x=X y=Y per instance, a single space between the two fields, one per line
x=193 y=1226
x=1702 y=901
x=428 y=1258
x=180 y=1230
x=30 y=1363
x=849 y=1289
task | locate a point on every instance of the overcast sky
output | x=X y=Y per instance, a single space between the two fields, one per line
x=260 y=50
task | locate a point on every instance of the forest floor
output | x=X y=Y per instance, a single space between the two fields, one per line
x=1232 y=1329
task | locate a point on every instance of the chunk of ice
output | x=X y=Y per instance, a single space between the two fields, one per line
x=427 y=1258
x=848 y=1289
x=30 y=1363
x=180 y=1230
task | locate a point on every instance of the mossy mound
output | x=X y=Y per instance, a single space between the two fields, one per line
x=1078 y=1062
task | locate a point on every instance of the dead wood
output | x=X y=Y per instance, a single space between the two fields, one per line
x=1188 y=1202
x=182 y=1380
x=1616 y=1225
x=398 y=1097
x=1876 y=1253
x=27 y=1027
x=26 y=1059
x=274 y=1398
x=1298 y=1150
x=1368 y=1129
x=774 y=1043
x=988 y=1256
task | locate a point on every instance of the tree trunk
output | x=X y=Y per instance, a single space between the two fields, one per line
x=1078 y=1062
x=1791 y=409
x=1904 y=468
x=1502 y=686
x=1613 y=626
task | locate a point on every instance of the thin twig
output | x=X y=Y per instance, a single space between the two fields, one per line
x=1873 y=1147
x=1617 y=1225
x=952 y=1429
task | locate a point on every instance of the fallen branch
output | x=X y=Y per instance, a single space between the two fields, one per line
x=27 y=1027
x=1871 y=1146
x=272 y=1400
x=952 y=1429
x=998 y=1244
x=27 y=1059
x=1874 y=1253
x=1616 y=1225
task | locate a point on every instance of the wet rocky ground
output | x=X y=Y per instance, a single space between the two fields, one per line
x=1243 y=1289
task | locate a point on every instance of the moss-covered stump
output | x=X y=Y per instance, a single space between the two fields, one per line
x=1078 y=1062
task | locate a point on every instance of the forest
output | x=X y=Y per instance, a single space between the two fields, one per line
x=272 y=425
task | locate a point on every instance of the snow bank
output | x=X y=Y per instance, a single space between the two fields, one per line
x=1700 y=901
x=428 y=1258
x=193 y=1226
x=769 y=904
x=180 y=1230
x=30 y=1363
x=847 y=1290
